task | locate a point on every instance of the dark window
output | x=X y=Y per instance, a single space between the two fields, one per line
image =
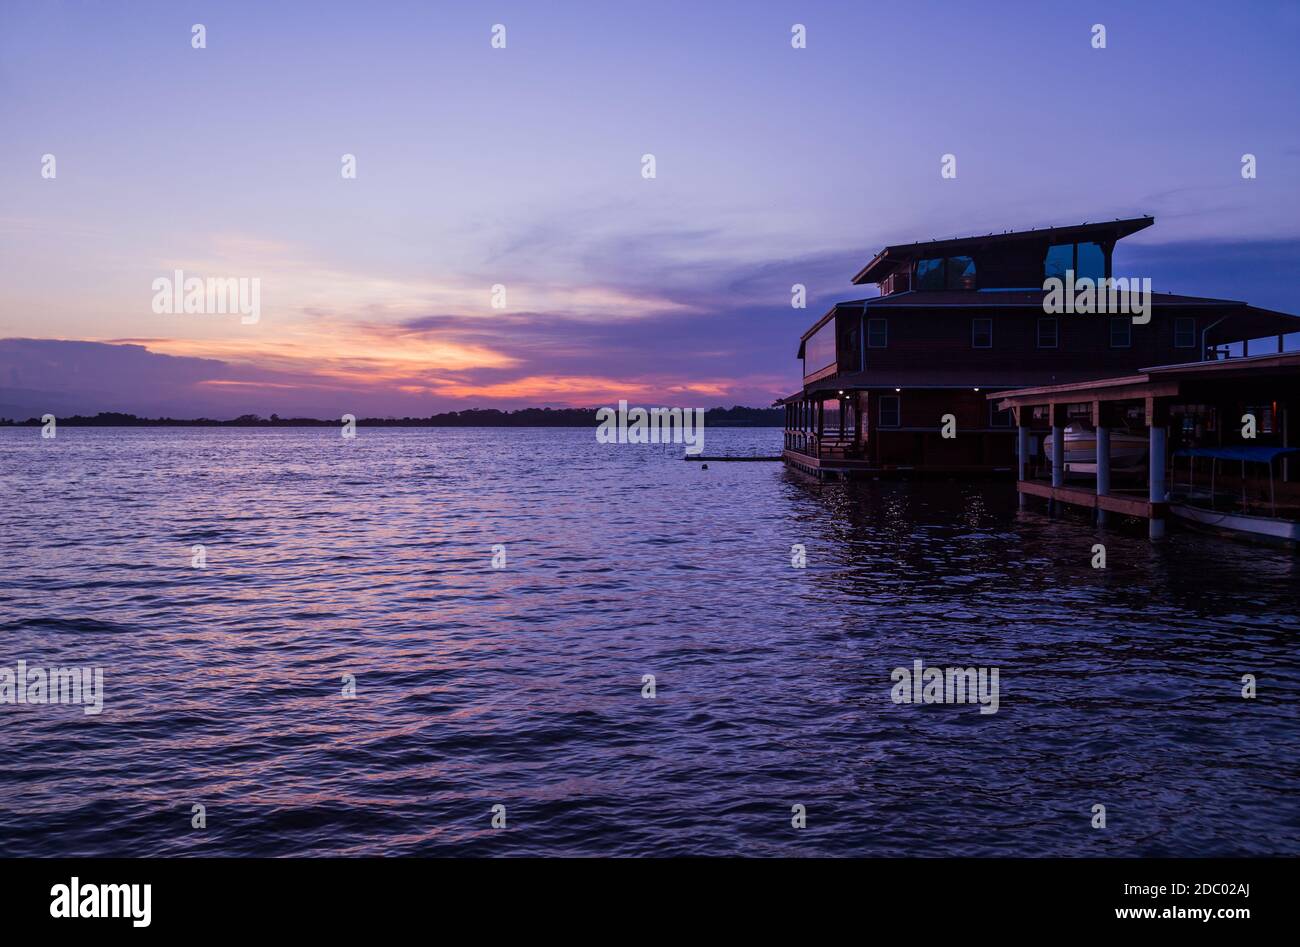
x=1086 y=259
x=954 y=272
x=999 y=418
x=1263 y=417
x=890 y=411
x=929 y=274
x=960 y=272
x=1089 y=261
x=1048 y=333
x=1185 y=333
x=1059 y=259
x=981 y=333
x=1121 y=332
x=877 y=333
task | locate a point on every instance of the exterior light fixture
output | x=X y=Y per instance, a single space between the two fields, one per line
x=898 y=389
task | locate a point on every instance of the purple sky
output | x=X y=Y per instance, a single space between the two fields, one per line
x=522 y=166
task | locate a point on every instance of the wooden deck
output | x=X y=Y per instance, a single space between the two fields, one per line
x=839 y=467
x=1124 y=502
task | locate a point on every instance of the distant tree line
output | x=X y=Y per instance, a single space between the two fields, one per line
x=736 y=416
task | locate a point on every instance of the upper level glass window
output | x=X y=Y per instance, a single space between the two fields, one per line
x=1089 y=261
x=877 y=333
x=1085 y=259
x=960 y=272
x=819 y=349
x=1059 y=259
x=929 y=274
x=954 y=272
x=981 y=333
x=1185 y=332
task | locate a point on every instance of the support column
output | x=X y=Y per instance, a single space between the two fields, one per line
x=872 y=411
x=1057 y=414
x=1103 y=467
x=1156 y=477
x=1058 y=450
x=821 y=430
x=1022 y=451
x=1286 y=441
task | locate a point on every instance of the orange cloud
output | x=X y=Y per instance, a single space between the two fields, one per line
x=351 y=353
x=575 y=389
x=579 y=388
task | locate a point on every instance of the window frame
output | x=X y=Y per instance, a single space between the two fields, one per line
x=1078 y=273
x=1127 y=321
x=1185 y=320
x=1056 y=332
x=897 y=401
x=1265 y=422
x=946 y=280
x=883 y=322
x=974 y=320
x=1074 y=260
x=917 y=279
x=950 y=282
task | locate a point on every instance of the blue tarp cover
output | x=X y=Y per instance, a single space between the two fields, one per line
x=1261 y=455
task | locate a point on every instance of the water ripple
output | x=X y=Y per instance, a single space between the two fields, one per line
x=371 y=560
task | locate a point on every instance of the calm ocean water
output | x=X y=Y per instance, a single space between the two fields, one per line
x=522 y=686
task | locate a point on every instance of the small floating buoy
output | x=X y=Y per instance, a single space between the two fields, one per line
x=704 y=466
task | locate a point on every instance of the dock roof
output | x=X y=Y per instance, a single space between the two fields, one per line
x=1162 y=380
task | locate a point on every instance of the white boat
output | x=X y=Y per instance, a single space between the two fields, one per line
x=1126 y=450
x=1266 y=527
x=1191 y=504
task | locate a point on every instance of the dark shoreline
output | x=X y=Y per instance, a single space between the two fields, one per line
x=525 y=417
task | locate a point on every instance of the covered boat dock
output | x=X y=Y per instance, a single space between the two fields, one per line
x=1246 y=403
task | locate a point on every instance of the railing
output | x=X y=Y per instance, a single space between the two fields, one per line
x=1242 y=348
x=805 y=442
x=826 y=446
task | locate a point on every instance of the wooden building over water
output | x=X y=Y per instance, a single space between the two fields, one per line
x=956 y=319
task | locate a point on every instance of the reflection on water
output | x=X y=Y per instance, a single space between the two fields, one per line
x=522 y=686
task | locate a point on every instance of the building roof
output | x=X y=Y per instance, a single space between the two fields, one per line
x=966 y=379
x=884 y=262
x=1159 y=379
x=1247 y=321
x=920 y=377
x=847 y=304
x=1009 y=299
